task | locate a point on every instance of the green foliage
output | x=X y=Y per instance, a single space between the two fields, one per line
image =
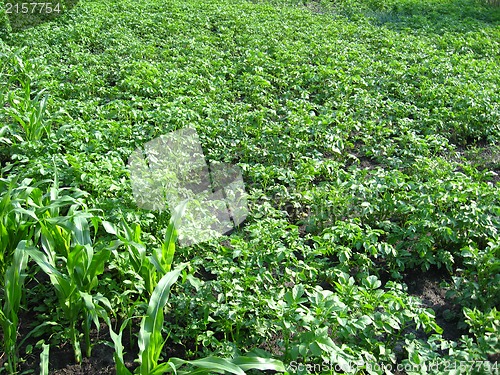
x=70 y=259
x=73 y=287
x=5 y=28
x=26 y=108
x=367 y=133
x=164 y=257
x=484 y=326
x=135 y=261
x=13 y=283
x=151 y=343
x=477 y=284
x=16 y=224
x=150 y=335
x=146 y=269
x=352 y=324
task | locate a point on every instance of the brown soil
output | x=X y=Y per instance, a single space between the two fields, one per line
x=426 y=286
x=101 y=362
x=61 y=358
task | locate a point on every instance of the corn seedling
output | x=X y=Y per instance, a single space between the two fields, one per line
x=151 y=343
x=164 y=257
x=129 y=237
x=16 y=222
x=150 y=336
x=23 y=209
x=73 y=287
x=73 y=265
x=23 y=205
x=147 y=267
x=30 y=113
x=13 y=282
x=27 y=108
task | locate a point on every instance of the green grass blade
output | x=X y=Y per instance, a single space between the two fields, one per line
x=236 y=365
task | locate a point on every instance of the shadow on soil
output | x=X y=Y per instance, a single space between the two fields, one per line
x=427 y=287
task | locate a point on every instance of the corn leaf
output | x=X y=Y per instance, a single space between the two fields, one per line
x=121 y=369
x=166 y=257
x=210 y=364
x=150 y=338
x=258 y=363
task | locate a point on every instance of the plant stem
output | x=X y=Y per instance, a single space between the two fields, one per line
x=76 y=343
x=86 y=330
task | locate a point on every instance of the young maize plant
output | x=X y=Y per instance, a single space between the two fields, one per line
x=30 y=113
x=164 y=257
x=22 y=204
x=147 y=267
x=13 y=282
x=69 y=258
x=130 y=238
x=151 y=341
x=73 y=273
x=28 y=110
x=16 y=222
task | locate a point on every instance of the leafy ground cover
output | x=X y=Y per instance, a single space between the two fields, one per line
x=368 y=135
